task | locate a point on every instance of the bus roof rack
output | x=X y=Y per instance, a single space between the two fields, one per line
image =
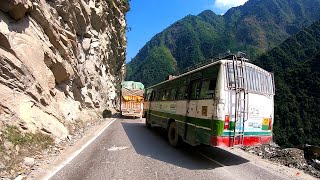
x=228 y=56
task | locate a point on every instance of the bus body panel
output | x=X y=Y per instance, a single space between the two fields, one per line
x=202 y=121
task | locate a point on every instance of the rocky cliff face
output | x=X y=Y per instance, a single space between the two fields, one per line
x=60 y=60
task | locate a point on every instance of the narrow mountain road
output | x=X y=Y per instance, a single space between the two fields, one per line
x=128 y=150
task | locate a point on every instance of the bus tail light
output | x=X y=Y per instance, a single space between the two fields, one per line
x=226 y=122
x=270 y=124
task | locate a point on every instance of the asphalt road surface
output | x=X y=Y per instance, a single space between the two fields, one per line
x=128 y=150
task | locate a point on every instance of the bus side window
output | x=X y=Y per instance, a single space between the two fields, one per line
x=157 y=96
x=173 y=94
x=146 y=95
x=212 y=88
x=195 y=90
x=163 y=95
x=180 y=95
x=177 y=97
x=166 y=95
x=208 y=89
x=151 y=97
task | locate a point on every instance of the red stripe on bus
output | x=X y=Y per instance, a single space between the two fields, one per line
x=248 y=140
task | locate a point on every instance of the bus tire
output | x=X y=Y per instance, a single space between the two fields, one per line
x=173 y=136
x=148 y=124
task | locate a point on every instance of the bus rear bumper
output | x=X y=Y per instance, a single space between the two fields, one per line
x=226 y=141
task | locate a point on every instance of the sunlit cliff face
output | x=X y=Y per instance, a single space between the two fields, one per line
x=60 y=60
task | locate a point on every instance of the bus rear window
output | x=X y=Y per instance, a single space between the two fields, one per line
x=256 y=80
x=230 y=73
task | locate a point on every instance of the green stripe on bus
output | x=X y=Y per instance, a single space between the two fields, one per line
x=168 y=115
x=216 y=126
x=192 y=120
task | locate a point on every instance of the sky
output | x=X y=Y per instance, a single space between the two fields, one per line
x=146 y=18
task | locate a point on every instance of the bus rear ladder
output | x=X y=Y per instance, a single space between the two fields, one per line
x=241 y=93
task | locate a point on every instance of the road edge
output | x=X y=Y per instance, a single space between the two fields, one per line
x=70 y=153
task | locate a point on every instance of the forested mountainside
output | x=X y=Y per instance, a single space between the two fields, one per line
x=253 y=28
x=296 y=65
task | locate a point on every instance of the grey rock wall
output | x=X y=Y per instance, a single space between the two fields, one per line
x=60 y=60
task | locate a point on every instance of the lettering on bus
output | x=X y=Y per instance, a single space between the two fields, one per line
x=254 y=111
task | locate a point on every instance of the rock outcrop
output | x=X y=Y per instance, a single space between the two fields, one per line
x=60 y=60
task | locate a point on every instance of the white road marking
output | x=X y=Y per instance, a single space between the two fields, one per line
x=114 y=148
x=75 y=154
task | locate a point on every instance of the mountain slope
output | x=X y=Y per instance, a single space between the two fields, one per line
x=253 y=28
x=296 y=65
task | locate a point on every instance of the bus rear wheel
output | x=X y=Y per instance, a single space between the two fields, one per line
x=173 y=136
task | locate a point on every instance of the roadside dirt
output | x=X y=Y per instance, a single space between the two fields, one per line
x=52 y=158
x=304 y=159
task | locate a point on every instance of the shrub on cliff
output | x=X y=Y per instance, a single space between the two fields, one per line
x=106 y=113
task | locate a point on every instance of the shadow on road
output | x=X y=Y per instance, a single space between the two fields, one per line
x=129 y=117
x=153 y=144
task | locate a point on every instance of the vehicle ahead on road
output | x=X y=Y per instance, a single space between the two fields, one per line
x=132 y=98
x=227 y=102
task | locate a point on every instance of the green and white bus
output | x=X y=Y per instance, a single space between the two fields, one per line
x=227 y=102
